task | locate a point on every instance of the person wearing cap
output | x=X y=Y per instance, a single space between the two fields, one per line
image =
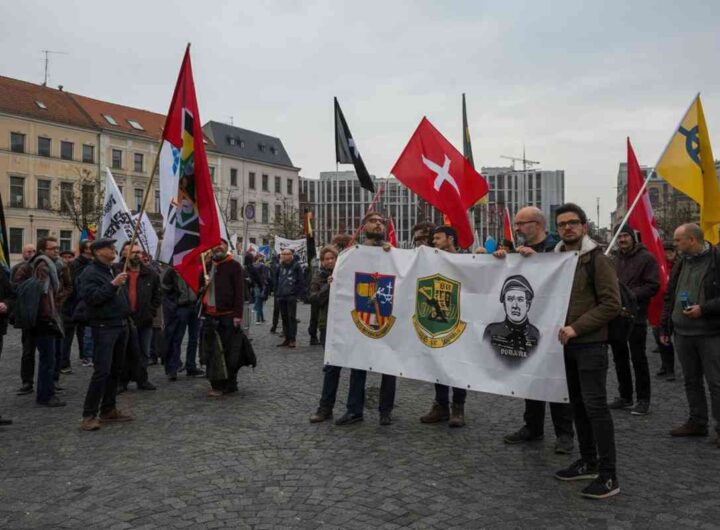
x=532 y=238
x=108 y=311
x=637 y=269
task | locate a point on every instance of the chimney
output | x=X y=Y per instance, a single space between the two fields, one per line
x=60 y=88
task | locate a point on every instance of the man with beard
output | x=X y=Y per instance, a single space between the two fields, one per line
x=532 y=238
x=637 y=269
x=320 y=295
x=223 y=301
x=444 y=238
x=374 y=228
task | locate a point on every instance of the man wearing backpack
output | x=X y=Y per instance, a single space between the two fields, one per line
x=692 y=314
x=594 y=302
x=27 y=360
x=40 y=291
x=638 y=271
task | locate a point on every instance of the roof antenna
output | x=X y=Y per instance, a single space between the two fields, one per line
x=47 y=62
x=231 y=121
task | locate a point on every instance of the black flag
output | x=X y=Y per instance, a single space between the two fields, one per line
x=346 y=151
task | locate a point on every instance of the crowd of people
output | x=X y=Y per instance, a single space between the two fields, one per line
x=131 y=312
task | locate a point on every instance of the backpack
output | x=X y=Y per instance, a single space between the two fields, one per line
x=29 y=295
x=620 y=327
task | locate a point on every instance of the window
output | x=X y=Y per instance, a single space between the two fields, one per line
x=88 y=154
x=233 y=177
x=65 y=240
x=66 y=196
x=261 y=148
x=17 y=192
x=40 y=233
x=233 y=209
x=264 y=213
x=135 y=125
x=16 y=240
x=278 y=212
x=17 y=142
x=251 y=180
x=40 y=104
x=88 y=197
x=109 y=119
x=273 y=150
x=278 y=185
x=139 y=162
x=139 y=192
x=66 y=150
x=44 y=145
x=116 y=159
x=157 y=201
x=43 y=194
x=289 y=187
x=265 y=183
x=212 y=174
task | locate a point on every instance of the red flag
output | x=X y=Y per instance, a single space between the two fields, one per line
x=642 y=219
x=391 y=234
x=191 y=223
x=431 y=167
x=507 y=227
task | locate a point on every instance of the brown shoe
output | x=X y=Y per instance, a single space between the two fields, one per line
x=114 y=416
x=291 y=344
x=457 y=417
x=283 y=344
x=214 y=393
x=689 y=429
x=90 y=424
x=437 y=414
x=321 y=415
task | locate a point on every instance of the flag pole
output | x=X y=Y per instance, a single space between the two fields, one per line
x=370 y=209
x=647 y=179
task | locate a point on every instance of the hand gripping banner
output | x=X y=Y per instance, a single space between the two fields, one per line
x=465 y=320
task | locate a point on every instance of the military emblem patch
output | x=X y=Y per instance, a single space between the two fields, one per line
x=437 y=311
x=374 y=294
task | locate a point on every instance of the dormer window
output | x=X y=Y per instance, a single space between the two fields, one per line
x=261 y=148
x=135 y=125
x=273 y=150
x=40 y=104
x=109 y=119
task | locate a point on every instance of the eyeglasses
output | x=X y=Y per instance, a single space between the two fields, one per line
x=571 y=223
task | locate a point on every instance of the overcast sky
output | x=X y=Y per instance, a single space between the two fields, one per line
x=570 y=80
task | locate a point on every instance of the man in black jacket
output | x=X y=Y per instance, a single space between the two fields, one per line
x=72 y=327
x=290 y=286
x=108 y=310
x=143 y=289
x=692 y=314
x=637 y=269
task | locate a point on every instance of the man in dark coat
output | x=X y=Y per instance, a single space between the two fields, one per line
x=223 y=302
x=6 y=301
x=72 y=327
x=27 y=361
x=290 y=286
x=637 y=269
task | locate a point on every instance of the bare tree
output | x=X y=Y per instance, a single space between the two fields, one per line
x=287 y=222
x=81 y=202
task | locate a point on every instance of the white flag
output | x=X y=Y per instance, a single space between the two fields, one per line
x=118 y=223
x=298 y=246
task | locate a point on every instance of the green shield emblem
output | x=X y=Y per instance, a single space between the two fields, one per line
x=437 y=311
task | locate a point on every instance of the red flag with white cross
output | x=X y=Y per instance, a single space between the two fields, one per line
x=432 y=168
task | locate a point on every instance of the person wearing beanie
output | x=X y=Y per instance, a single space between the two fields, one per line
x=638 y=270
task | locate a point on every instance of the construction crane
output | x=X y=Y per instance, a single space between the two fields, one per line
x=525 y=162
x=47 y=62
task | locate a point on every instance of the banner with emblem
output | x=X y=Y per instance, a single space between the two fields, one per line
x=464 y=320
x=298 y=246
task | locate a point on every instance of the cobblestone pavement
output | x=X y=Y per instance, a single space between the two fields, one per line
x=253 y=461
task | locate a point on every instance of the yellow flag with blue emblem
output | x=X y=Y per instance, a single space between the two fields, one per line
x=688 y=166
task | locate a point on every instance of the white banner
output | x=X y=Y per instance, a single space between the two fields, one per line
x=298 y=246
x=465 y=320
x=118 y=223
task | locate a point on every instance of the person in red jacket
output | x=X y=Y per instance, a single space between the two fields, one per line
x=222 y=300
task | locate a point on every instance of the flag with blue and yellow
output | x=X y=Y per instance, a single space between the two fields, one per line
x=688 y=166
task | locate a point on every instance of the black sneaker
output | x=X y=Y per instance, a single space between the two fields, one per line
x=314 y=341
x=147 y=385
x=348 y=418
x=27 y=388
x=194 y=372
x=620 y=404
x=642 y=408
x=172 y=376
x=578 y=470
x=523 y=435
x=601 y=488
x=52 y=402
x=385 y=418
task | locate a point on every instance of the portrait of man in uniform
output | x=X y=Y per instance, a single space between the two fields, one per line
x=515 y=337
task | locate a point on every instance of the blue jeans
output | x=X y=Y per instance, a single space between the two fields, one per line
x=145 y=339
x=46 y=367
x=184 y=317
x=58 y=358
x=442 y=395
x=87 y=343
x=110 y=345
x=259 y=301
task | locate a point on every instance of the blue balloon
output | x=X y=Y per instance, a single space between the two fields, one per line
x=490 y=245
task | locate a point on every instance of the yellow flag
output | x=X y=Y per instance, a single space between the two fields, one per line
x=688 y=166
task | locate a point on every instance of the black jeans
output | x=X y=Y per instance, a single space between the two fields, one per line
x=288 y=311
x=109 y=345
x=667 y=352
x=356 y=393
x=133 y=368
x=700 y=355
x=226 y=331
x=586 y=370
x=27 y=361
x=623 y=353
x=46 y=366
x=561 y=413
x=442 y=395
x=276 y=313
x=72 y=329
x=313 y=326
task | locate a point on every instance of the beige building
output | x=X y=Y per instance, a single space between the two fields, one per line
x=55 y=146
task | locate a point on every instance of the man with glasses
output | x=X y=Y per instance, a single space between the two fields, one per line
x=531 y=238
x=594 y=302
x=48 y=325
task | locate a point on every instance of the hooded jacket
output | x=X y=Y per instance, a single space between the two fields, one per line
x=592 y=307
x=638 y=270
